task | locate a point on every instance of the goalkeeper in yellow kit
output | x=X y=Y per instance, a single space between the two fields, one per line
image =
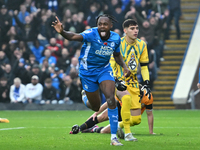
x=134 y=52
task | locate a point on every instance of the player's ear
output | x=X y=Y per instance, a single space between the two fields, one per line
x=125 y=30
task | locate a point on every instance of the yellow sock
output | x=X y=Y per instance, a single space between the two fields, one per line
x=135 y=120
x=125 y=112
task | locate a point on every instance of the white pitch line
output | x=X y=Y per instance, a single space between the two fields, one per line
x=12 y=128
x=137 y=127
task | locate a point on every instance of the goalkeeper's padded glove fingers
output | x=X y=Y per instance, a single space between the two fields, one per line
x=120 y=85
x=147 y=88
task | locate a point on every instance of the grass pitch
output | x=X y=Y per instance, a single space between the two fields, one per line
x=46 y=130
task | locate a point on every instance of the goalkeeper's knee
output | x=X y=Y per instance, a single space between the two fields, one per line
x=135 y=120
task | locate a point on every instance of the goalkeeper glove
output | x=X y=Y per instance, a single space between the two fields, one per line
x=120 y=85
x=146 y=87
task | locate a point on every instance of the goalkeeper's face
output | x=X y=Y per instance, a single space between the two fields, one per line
x=131 y=32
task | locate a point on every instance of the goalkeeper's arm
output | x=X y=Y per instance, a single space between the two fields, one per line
x=144 y=71
x=145 y=76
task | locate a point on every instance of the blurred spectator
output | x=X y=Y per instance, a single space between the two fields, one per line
x=54 y=48
x=49 y=93
x=3 y=58
x=47 y=55
x=119 y=14
x=74 y=64
x=24 y=49
x=31 y=61
x=79 y=26
x=45 y=32
x=13 y=4
x=27 y=30
x=6 y=21
x=41 y=4
x=72 y=46
x=22 y=14
x=77 y=54
x=8 y=73
x=174 y=12
x=59 y=40
x=69 y=91
x=131 y=14
x=158 y=44
x=9 y=50
x=35 y=70
x=56 y=77
x=17 y=92
x=118 y=32
x=142 y=8
x=67 y=17
x=4 y=90
x=69 y=4
x=15 y=56
x=37 y=49
x=20 y=70
x=64 y=62
x=45 y=67
x=30 y=6
x=92 y=15
x=159 y=5
x=12 y=36
x=34 y=91
x=147 y=30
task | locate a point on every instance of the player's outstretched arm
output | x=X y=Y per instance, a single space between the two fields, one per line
x=120 y=61
x=67 y=35
x=150 y=120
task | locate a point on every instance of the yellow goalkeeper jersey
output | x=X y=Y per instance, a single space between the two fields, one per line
x=132 y=54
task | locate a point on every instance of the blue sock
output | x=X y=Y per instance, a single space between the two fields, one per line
x=113 y=119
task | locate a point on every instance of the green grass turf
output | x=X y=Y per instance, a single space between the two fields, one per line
x=46 y=130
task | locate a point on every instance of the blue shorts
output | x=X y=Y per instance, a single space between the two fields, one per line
x=91 y=83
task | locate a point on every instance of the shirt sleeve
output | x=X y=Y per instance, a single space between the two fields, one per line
x=87 y=35
x=144 y=55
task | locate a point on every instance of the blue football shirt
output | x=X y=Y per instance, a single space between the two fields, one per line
x=95 y=52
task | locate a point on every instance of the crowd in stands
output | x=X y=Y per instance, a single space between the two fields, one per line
x=38 y=66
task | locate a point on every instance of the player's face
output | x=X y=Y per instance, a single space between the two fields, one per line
x=132 y=32
x=104 y=25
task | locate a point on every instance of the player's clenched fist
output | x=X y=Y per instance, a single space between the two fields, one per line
x=57 y=25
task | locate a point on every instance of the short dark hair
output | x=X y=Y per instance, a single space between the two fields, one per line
x=48 y=80
x=3 y=79
x=111 y=18
x=31 y=55
x=129 y=22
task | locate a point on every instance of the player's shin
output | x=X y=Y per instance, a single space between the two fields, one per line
x=89 y=123
x=113 y=119
x=125 y=113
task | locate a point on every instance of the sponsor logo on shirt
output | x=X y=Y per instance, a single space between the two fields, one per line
x=105 y=50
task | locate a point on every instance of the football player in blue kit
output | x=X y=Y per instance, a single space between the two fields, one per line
x=95 y=72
